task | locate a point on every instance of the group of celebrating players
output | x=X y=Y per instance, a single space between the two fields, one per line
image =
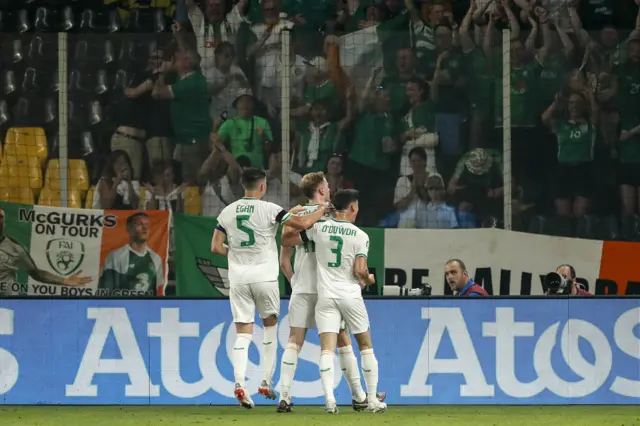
x=329 y=272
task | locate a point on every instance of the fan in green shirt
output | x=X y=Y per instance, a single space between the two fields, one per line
x=375 y=134
x=320 y=139
x=396 y=84
x=246 y=134
x=628 y=82
x=524 y=84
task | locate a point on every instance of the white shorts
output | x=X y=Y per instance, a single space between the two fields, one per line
x=246 y=298
x=302 y=310
x=331 y=312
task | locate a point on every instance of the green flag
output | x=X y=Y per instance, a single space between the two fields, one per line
x=200 y=273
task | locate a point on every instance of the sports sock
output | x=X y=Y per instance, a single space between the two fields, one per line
x=370 y=372
x=269 y=351
x=351 y=372
x=288 y=370
x=240 y=357
x=326 y=375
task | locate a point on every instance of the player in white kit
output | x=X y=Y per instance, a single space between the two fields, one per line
x=250 y=226
x=341 y=254
x=303 y=301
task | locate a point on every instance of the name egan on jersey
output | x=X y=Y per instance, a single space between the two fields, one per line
x=68 y=219
x=340 y=230
x=245 y=208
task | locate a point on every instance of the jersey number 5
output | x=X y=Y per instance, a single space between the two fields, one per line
x=337 y=251
x=242 y=227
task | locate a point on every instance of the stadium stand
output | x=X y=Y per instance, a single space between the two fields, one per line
x=403 y=100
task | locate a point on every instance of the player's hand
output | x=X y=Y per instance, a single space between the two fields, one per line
x=296 y=210
x=76 y=280
x=372 y=279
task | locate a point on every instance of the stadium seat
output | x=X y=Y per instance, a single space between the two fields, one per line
x=88 y=200
x=20 y=171
x=4 y=113
x=78 y=176
x=9 y=86
x=610 y=228
x=23 y=112
x=29 y=141
x=23 y=21
x=68 y=22
x=50 y=111
x=30 y=81
x=17 y=195
x=36 y=49
x=588 y=227
x=42 y=23
x=51 y=197
x=87 y=21
x=192 y=200
x=16 y=52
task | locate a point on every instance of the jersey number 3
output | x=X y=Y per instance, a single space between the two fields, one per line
x=337 y=251
x=242 y=227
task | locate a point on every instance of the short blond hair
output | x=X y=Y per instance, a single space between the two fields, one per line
x=310 y=183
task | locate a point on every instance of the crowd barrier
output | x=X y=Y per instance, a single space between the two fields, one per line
x=430 y=351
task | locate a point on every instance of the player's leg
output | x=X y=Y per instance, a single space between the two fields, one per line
x=328 y=322
x=351 y=371
x=267 y=299
x=355 y=315
x=349 y=366
x=301 y=318
x=243 y=311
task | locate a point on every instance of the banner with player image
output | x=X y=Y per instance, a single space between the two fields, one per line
x=200 y=273
x=52 y=251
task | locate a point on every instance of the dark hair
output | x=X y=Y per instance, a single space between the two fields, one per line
x=344 y=197
x=107 y=171
x=225 y=46
x=419 y=151
x=334 y=155
x=243 y=161
x=572 y=270
x=131 y=220
x=251 y=176
x=422 y=85
x=463 y=267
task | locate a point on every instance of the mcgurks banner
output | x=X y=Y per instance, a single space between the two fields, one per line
x=54 y=251
x=439 y=351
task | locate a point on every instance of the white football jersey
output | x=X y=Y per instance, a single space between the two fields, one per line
x=337 y=244
x=251 y=226
x=305 y=271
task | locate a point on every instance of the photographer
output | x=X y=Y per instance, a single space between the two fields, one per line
x=563 y=282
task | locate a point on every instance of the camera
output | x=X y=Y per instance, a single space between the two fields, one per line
x=557 y=284
x=424 y=290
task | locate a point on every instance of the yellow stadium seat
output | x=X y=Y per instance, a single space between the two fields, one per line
x=0 y=149
x=16 y=195
x=192 y=200
x=88 y=201
x=78 y=175
x=51 y=197
x=20 y=172
x=29 y=141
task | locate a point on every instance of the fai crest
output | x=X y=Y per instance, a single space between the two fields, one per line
x=217 y=277
x=65 y=256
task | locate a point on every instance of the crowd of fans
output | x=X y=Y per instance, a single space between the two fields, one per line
x=422 y=138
